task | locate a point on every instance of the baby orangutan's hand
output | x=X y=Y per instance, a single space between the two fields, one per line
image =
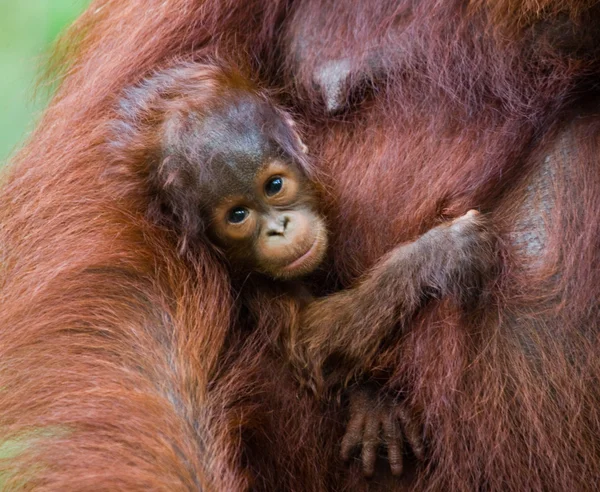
x=375 y=420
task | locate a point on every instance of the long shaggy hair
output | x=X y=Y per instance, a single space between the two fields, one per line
x=119 y=364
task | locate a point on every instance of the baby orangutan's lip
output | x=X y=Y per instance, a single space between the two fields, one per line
x=302 y=259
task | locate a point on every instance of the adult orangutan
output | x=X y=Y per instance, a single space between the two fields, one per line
x=118 y=365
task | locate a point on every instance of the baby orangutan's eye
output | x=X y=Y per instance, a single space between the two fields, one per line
x=273 y=185
x=237 y=215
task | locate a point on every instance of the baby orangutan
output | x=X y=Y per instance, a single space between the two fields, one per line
x=225 y=164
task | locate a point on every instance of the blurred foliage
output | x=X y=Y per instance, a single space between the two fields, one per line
x=27 y=31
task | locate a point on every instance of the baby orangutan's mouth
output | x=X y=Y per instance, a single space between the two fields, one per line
x=309 y=260
x=304 y=258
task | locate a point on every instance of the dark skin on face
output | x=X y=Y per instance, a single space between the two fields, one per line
x=231 y=168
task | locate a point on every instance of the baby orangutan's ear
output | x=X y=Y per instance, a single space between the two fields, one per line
x=176 y=202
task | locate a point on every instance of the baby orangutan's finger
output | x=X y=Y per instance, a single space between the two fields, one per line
x=370 y=443
x=354 y=433
x=393 y=441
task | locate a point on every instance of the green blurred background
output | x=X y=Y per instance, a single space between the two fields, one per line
x=27 y=31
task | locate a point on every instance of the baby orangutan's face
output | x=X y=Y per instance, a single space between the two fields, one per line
x=272 y=225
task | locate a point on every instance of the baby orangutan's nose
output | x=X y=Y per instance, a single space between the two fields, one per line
x=276 y=226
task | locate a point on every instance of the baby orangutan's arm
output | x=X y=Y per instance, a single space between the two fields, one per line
x=453 y=259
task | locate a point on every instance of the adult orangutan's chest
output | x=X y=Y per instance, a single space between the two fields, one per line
x=388 y=180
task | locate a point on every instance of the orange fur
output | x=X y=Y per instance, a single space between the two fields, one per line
x=118 y=365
